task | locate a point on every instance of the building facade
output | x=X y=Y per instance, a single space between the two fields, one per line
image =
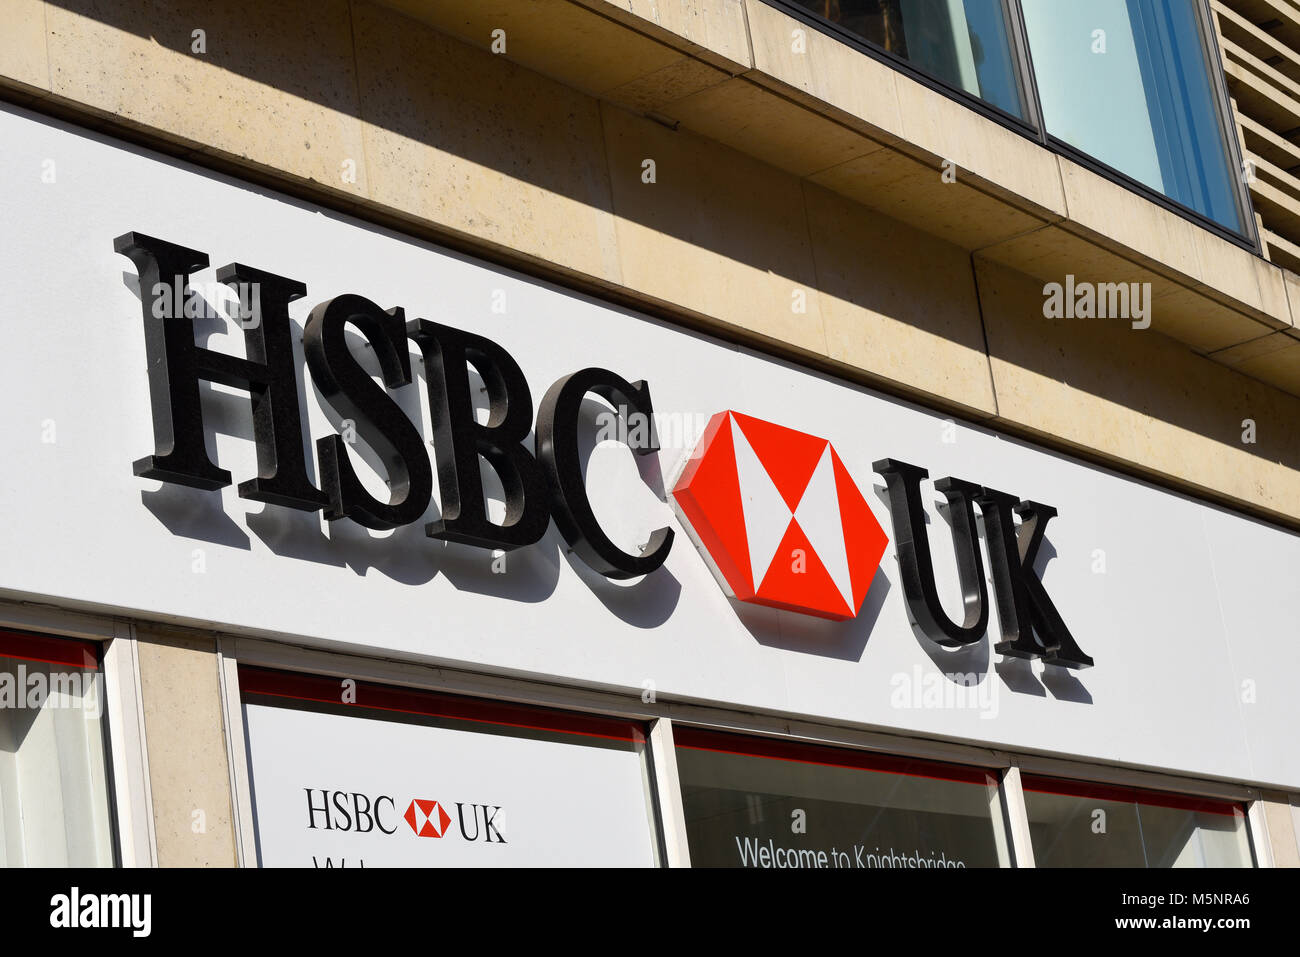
x=775 y=433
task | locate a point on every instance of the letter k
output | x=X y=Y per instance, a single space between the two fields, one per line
x=1024 y=607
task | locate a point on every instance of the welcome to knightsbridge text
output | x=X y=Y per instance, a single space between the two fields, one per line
x=754 y=853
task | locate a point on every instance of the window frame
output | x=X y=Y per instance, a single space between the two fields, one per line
x=1143 y=794
x=130 y=812
x=486 y=690
x=1031 y=126
x=301 y=690
x=1257 y=838
x=894 y=761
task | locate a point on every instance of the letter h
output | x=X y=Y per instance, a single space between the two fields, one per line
x=177 y=365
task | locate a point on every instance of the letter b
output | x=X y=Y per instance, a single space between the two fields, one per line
x=459 y=440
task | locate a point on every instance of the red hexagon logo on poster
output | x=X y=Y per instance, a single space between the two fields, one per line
x=779 y=518
x=427 y=818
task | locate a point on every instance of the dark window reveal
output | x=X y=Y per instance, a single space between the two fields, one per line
x=1078 y=824
x=767 y=803
x=964 y=43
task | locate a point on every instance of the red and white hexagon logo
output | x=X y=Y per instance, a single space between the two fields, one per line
x=427 y=818
x=779 y=518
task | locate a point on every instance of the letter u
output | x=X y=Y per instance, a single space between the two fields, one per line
x=903 y=482
x=460 y=813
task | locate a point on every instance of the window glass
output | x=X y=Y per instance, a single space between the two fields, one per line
x=964 y=43
x=54 y=809
x=753 y=802
x=1128 y=83
x=1075 y=824
x=351 y=774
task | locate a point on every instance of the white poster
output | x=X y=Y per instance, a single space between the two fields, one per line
x=347 y=791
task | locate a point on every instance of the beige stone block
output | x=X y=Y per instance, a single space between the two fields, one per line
x=1280 y=818
x=1292 y=282
x=557 y=38
x=22 y=45
x=713 y=30
x=1052 y=253
x=598 y=47
x=1272 y=358
x=601 y=48
x=909 y=190
x=188 y=768
x=290 y=107
x=754 y=120
x=678 y=80
x=717 y=233
x=1116 y=217
x=1006 y=163
x=823 y=72
x=466 y=141
x=898 y=304
x=1180 y=312
x=1229 y=273
x=1139 y=400
x=1273 y=292
x=1254 y=349
x=1201 y=321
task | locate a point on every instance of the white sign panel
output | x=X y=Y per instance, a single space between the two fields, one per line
x=335 y=790
x=1187 y=609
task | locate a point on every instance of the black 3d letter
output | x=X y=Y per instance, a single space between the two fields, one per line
x=903 y=482
x=353 y=394
x=1024 y=607
x=459 y=440
x=557 y=451
x=176 y=366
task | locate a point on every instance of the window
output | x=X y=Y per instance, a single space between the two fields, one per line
x=964 y=43
x=348 y=774
x=1126 y=86
x=758 y=802
x=1076 y=824
x=54 y=807
x=1128 y=83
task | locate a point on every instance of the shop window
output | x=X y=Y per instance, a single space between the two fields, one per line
x=757 y=802
x=348 y=774
x=963 y=43
x=1076 y=824
x=1128 y=82
x=54 y=805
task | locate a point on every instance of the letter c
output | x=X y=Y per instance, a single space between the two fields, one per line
x=378 y=823
x=557 y=451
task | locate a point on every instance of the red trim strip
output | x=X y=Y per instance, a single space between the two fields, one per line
x=377 y=697
x=1127 y=795
x=70 y=652
x=698 y=739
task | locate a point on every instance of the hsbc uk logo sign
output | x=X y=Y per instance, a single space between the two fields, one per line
x=781 y=523
x=360 y=813
x=774 y=510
